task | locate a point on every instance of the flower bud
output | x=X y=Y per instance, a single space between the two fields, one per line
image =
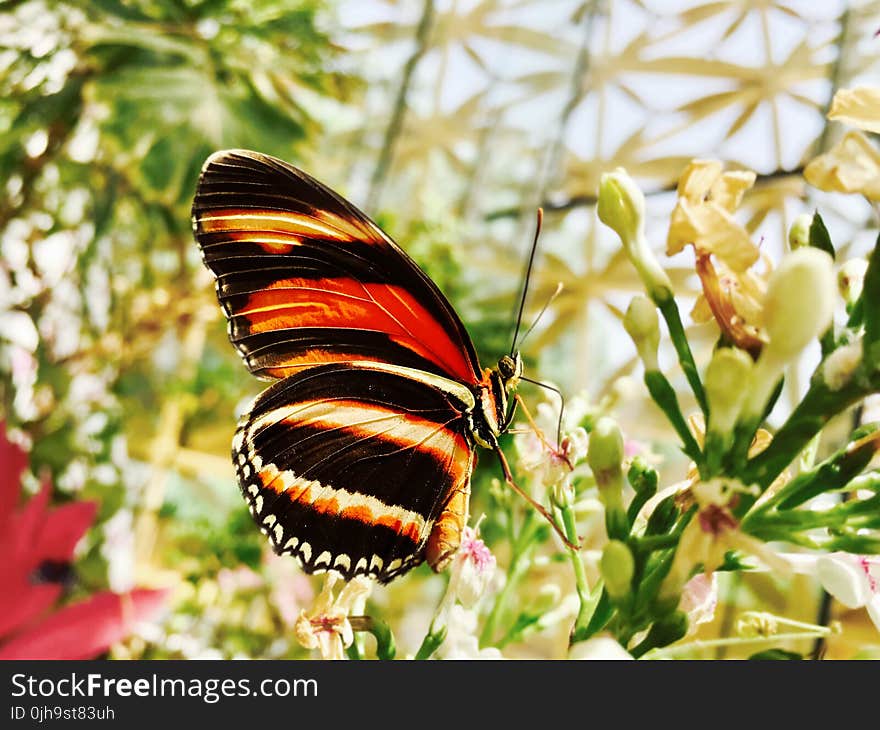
x=605 y=452
x=799 y=233
x=799 y=302
x=617 y=567
x=728 y=371
x=851 y=279
x=621 y=207
x=604 y=456
x=839 y=366
x=642 y=325
x=798 y=307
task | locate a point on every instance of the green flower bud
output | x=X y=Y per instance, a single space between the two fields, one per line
x=617 y=567
x=643 y=326
x=799 y=233
x=663 y=632
x=604 y=456
x=621 y=207
x=642 y=476
x=726 y=375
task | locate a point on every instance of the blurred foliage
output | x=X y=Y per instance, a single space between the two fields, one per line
x=453 y=120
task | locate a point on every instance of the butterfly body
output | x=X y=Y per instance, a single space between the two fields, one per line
x=358 y=458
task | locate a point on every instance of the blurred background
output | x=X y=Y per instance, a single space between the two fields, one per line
x=449 y=121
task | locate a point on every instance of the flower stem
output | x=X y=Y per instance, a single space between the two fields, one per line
x=515 y=572
x=669 y=309
x=587 y=604
x=684 y=649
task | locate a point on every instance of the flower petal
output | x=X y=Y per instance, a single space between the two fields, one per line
x=844 y=578
x=728 y=190
x=22 y=603
x=599 y=647
x=873 y=607
x=851 y=166
x=85 y=629
x=63 y=529
x=858 y=107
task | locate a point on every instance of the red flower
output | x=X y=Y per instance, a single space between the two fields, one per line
x=37 y=544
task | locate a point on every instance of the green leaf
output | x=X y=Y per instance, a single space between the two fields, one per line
x=819 y=236
x=870 y=300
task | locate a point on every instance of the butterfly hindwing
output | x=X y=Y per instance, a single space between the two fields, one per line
x=349 y=467
x=305 y=278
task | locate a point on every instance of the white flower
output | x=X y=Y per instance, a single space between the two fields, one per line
x=599 y=647
x=549 y=463
x=326 y=627
x=854 y=580
x=473 y=568
x=461 y=637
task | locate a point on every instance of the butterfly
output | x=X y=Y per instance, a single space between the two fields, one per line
x=358 y=458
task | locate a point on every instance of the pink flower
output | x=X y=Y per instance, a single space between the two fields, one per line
x=473 y=568
x=37 y=543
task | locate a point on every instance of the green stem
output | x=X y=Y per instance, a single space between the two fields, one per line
x=385 y=646
x=515 y=573
x=669 y=309
x=670 y=652
x=650 y=543
x=664 y=396
x=587 y=604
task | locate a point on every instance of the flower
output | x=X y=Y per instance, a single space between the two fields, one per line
x=857 y=107
x=38 y=544
x=712 y=533
x=473 y=568
x=326 y=626
x=703 y=217
x=853 y=164
x=551 y=464
x=599 y=647
x=854 y=580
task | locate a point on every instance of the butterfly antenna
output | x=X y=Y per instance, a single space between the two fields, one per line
x=537 y=319
x=525 y=288
x=508 y=477
x=558 y=392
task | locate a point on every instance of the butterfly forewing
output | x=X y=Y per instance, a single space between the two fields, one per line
x=349 y=468
x=307 y=279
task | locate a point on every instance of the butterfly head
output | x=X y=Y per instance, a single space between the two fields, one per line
x=510 y=368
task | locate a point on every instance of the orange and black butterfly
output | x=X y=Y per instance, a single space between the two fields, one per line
x=358 y=458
